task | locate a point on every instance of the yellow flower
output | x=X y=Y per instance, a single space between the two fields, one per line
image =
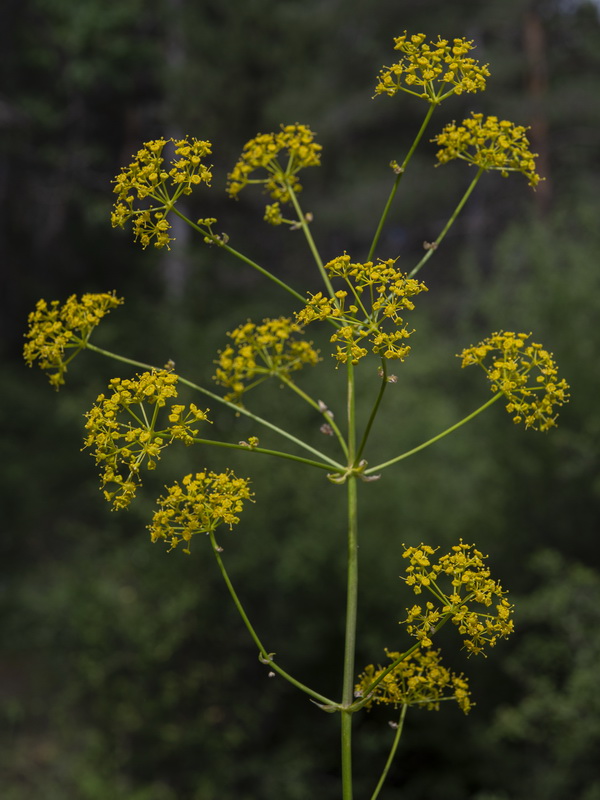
x=201 y=503
x=262 y=351
x=379 y=294
x=418 y=680
x=489 y=143
x=525 y=373
x=56 y=330
x=467 y=601
x=273 y=214
x=148 y=188
x=432 y=70
x=296 y=143
x=122 y=430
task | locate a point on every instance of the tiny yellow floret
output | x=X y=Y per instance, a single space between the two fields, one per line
x=148 y=188
x=295 y=144
x=122 y=429
x=58 y=332
x=471 y=599
x=273 y=348
x=198 y=505
x=489 y=144
x=419 y=679
x=525 y=373
x=375 y=298
x=432 y=70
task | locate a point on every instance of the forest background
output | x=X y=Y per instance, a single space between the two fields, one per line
x=125 y=673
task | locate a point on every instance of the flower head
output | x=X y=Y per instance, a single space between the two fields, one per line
x=417 y=680
x=258 y=352
x=374 y=301
x=489 y=143
x=148 y=188
x=198 y=505
x=58 y=332
x=432 y=70
x=297 y=146
x=122 y=430
x=463 y=591
x=525 y=373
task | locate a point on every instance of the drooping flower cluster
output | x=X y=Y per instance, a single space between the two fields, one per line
x=148 y=188
x=297 y=146
x=489 y=143
x=418 y=680
x=377 y=293
x=58 y=332
x=473 y=601
x=198 y=505
x=257 y=352
x=433 y=70
x=122 y=428
x=525 y=373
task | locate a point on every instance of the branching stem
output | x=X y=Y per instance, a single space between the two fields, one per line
x=435 y=439
x=266 y=657
x=237 y=409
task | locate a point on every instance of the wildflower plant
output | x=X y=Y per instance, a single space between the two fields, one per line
x=364 y=303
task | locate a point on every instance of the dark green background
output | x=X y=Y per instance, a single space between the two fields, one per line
x=124 y=672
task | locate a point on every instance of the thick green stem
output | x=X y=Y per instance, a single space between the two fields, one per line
x=266 y=657
x=439 y=436
x=350 y=639
x=401 y=171
x=351 y=599
x=237 y=409
x=388 y=763
x=434 y=245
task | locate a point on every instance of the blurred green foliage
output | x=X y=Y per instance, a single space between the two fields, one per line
x=124 y=672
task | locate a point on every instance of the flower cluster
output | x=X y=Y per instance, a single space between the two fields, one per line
x=122 y=430
x=432 y=70
x=525 y=373
x=299 y=149
x=158 y=186
x=261 y=351
x=55 y=330
x=417 y=680
x=273 y=214
x=377 y=293
x=470 y=585
x=489 y=144
x=201 y=503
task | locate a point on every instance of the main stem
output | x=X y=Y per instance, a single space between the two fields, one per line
x=351 y=600
x=350 y=643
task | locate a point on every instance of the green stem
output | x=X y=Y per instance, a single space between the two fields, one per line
x=329 y=419
x=435 y=438
x=266 y=657
x=374 y=410
x=237 y=409
x=242 y=257
x=358 y=704
x=401 y=171
x=351 y=600
x=395 y=744
x=433 y=247
x=277 y=453
x=311 y=242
